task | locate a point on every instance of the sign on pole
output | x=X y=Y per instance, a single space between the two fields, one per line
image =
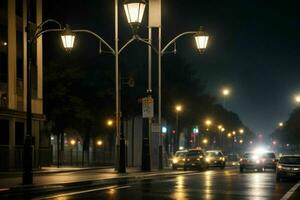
x=154 y=13
x=148 y=107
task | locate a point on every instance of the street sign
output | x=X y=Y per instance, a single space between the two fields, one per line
x=148 y=107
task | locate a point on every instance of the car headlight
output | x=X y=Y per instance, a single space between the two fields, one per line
x=183 y=159
x=279 y=167
x=207 y=159
x=175 y=160
x=222 y=158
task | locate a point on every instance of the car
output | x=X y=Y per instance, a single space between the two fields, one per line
x=288 y=167
x=269 y=160
x=251 y=160
x=178 y=159
x=195 y=158
x=215 y=158
x=232 y=159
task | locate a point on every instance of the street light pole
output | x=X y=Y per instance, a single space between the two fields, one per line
x=27 y=158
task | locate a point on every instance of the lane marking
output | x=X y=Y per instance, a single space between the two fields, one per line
x=290 y=192
x=82 y=192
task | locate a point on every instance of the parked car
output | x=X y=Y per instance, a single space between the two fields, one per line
x=288 y=167
x=215 y=158
x=250 y=160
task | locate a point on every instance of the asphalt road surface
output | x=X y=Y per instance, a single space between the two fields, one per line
x=211 y=184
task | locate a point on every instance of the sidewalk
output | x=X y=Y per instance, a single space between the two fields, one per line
x=80 y=177
x=49 y=170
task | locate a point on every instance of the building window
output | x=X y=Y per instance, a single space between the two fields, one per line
x=19 y=129
x=19 y=8
x=3 y=43
x=4 y=134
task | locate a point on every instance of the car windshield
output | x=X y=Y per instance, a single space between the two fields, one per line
x=248 y=155
x=213 y=153
x=290 y=160
x=194 y=153
x=269 y=155
x=232 y=157
x=180 y=154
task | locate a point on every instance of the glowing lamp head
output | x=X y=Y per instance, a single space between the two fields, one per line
x=205 y=141
x=297 y=99
x=109 y=122
x=72 y=142
x=280 y=124
x=201 y=39
x=225 y=92
x=208 y=122
x=178 y=108
x=134 y=10
x=99 y=142
x=68 y=38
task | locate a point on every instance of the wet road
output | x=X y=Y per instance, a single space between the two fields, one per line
x=212 y=184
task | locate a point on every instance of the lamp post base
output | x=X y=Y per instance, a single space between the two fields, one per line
x=122 y=161
x=27 y=161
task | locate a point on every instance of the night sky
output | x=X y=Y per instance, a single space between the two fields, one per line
x=253 y=48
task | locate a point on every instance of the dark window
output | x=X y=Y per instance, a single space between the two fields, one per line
x=33 y=11
x=19 y=128
x=19 y=8
x=3 y=41
x=4 y=133
x=19 y=55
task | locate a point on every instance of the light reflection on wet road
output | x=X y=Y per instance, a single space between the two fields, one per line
x=212 y=184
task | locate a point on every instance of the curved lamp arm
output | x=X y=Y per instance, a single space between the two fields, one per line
x=146 y=42
x=176 y=38
x=127 y=43
x=39 y=29
x=36 y=36
x=97 y=36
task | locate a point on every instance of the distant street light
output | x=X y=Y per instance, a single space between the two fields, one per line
x=109 y=122
x=297 y=99
x=72 y=142
x=99 y=142
x=225 y=92
x=205 y=141
x=208 y=123
x=229 y=135
x=241 y=131
x=280 y=124
x=178 y=109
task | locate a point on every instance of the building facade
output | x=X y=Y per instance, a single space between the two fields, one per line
x=13 y=87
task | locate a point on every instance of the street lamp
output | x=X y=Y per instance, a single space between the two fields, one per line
x=99 y=143
x=68 y=38
x=225 y=92
x=201 y=40
x=72 y=143
x=178 y=109
x=280 y=124
x=134 y=10
x=109 y=123
x=241 y=131
x=297 y=99
x=208 y=123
